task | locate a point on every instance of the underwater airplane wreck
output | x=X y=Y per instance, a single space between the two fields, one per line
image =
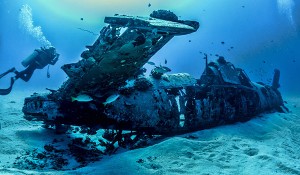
x=117 y=95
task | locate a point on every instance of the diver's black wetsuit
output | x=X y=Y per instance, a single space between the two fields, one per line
x=38 y=60
x=27 y=73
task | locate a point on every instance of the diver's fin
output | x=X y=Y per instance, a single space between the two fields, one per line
x=8 y=90
x=7 y=72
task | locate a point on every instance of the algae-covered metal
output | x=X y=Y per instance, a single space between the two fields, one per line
x=124 y=99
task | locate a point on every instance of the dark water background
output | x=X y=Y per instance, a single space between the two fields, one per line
x=258 y=36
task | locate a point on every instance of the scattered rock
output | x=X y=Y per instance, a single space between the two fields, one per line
x=191 y=137
x=140 y=161
x=251 y=151
x=49 y=148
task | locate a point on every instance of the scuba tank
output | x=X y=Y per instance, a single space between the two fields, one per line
x=30 y=59
x=41 y=57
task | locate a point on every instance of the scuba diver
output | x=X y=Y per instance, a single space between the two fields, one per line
x=39 y=59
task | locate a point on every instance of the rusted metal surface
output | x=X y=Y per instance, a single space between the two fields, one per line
x=167 y=104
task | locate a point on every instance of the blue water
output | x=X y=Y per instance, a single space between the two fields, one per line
x=264 y=35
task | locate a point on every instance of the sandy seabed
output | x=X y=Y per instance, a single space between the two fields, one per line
x=268 y=144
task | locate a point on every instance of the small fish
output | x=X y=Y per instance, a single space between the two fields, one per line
x=151 y=63
x=162 y=69
x=111 y=99
x=222 y=42
x=166 y=68
x=149 y=5
x=166 y=61
x=82 y=98
x=81 y=19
